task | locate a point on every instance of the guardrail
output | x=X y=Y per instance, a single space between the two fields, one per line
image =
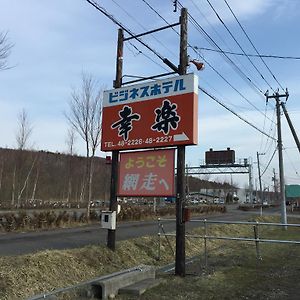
x=101 y=287
x=256 y=239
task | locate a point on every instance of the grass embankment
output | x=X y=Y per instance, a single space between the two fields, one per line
x=233 y=271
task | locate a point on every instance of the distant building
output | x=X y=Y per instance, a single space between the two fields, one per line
x=292 y=194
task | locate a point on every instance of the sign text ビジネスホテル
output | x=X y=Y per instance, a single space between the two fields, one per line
x=154 y=114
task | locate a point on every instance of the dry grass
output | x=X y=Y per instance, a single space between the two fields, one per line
x=234 y=273
x=22 y=221
x=27 y=275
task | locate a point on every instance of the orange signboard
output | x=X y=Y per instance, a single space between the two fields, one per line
x=147 y=173
x=156 y=114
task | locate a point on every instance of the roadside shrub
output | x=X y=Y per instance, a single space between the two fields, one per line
x=54 y=219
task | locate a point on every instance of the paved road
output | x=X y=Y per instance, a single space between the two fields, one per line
x=22 y=243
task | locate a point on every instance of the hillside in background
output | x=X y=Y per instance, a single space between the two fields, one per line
x=45 y=176
x=41 y=178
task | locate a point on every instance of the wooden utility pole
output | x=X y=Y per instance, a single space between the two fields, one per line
x=259 y=177
x=250 y=184
x=113 y=205
x=281 y=171
x=277 y=97
x=275 y=185
x=291 y=126
x=180 y=226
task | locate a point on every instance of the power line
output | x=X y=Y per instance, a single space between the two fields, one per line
x=252 y=44
x=142 y=26
x=233 y=112
x=251 y=55
x=234 y=88
x=147 y=56
x=229 y=60
x=222 y=96
x=103 y=11
x=264 y=171
x=113 y=19
x=261 y=141
x=216 y=32
x=267 y=147
x=239 y=45
x=211 y=66
x=291 y=163
x=272 y=128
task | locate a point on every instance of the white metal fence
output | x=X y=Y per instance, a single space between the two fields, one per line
x=206 y=237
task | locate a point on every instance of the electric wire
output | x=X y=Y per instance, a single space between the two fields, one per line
x=268 y=164
x=142 y=26
x=227 y=58
x=209 y=64
x=114 y=20
x=252 y=55
x=219 y=36
x=239 y=45
x=133 y=53
x=209 y=23
x=103 y=11
x=271 y=129
x=214 y=98
x=261 y=140
x=228 y=102
x=291 y=163
x=234 y=88
x=157 y=13
x=267 y=147
x=147 y=56
x=244 y=31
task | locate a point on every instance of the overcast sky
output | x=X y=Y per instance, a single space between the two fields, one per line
x=55 y=41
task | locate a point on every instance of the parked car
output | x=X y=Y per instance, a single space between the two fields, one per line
x=216 y=201
x=194 y=201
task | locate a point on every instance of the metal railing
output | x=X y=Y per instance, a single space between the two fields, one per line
x=256 y=239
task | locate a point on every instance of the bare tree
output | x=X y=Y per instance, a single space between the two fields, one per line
x=26 y=182
x=24 y=130
x=37 y=176
x=70 y=142
x=23 y=133
x=13 y=192
x=5 y=50
x=85 y=117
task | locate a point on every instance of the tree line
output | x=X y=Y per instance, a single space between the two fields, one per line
x=44 y=179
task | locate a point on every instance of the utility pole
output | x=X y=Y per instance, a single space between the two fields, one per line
x=291 y=126
x=113 y=205
x=250 y=183
x=180 y=226
x=277 y=97
x=259 y=177
x=275 y=185
x=261 y=193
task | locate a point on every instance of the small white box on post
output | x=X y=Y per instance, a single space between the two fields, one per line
x=108 y=219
